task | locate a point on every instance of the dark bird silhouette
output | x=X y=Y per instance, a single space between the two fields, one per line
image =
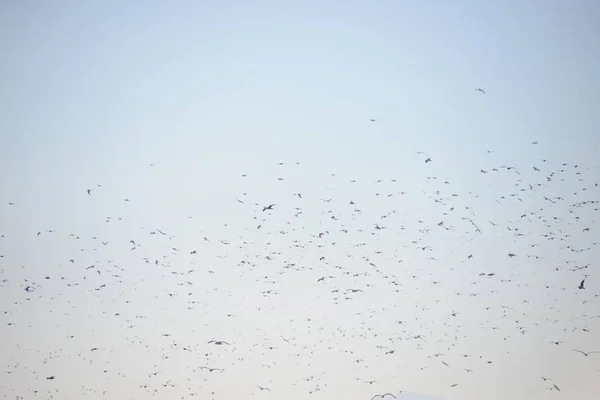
x=586 y=354
x=581 y=284
x=382 y=396
x=428 y=160
x=218 y=342
x=269 y=207
x=480 y=90
x=89 y=191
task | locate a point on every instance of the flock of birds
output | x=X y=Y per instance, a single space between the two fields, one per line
x=362 y=272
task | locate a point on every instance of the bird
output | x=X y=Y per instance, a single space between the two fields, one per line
x=382 y=396
x=581 y=284
x=269 y=207
x=586 y=354
x=218 y=342
x=428 y=160
x=89 y=191
x=480 y=90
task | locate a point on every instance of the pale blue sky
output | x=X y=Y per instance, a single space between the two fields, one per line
x=92 y=93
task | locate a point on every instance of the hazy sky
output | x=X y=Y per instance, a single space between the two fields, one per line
x=178 y=109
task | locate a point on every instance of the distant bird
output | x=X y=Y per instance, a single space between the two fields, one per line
x=212 y=369
x=269 y=207
x=89 y=191
x=382 y=396
x=428 y=160
x=480 y=90
x=263 y=388
x=586 y=354
x=218 y=342
x=511 y=255
x=372 y=120
x=581 y=284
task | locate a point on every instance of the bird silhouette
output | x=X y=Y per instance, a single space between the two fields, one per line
x=586 y=354
x=269 y=207
x=377 y=396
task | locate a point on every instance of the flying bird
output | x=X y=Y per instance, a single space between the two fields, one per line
x=480 y=90
x=218 y=342
x=382 y=396
x=269 y=207
x=89 y=191
x=581 y=284
x=586 y=354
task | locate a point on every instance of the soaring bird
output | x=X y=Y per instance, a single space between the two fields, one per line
x=581 y=284
x=428 y=160
x=382 y=396
x=586 y=354
x=89 y=191
x=218 y=342
x=480 y=90
x=269 y=207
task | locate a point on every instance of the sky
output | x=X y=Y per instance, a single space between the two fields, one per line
x=185 y=119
